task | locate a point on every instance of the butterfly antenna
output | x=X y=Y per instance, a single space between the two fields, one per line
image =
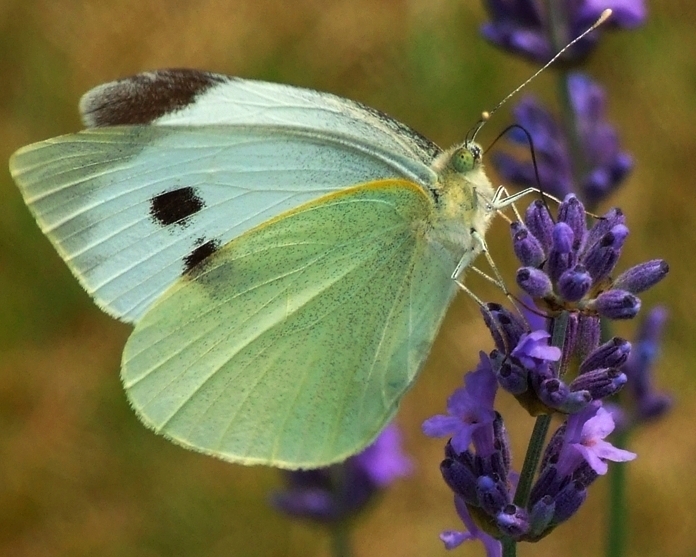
x=535 y=166
x=485 y=116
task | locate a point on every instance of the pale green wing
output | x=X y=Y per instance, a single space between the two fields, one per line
x=293 y=344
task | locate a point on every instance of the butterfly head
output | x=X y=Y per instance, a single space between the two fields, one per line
x=463 y=193
x=461 y=176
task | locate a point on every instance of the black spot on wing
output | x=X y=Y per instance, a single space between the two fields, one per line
x=200 y=253
x=144 y=97
x=175 y=207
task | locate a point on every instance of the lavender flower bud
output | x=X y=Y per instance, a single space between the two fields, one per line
x=513 y=377
x=643 y=276
x=460 y=479
x=585 y=475
x=553 y=447
x=600 y=383
x=561 y=256
x=617 y=304
x=576 y=401
x=613 y=353
x=501 y=442
x=588 y=334
x=540 y=224
x=603 y=226
x=568 y=501
x=534 y=282
x=602 y=257
x=553 y=392
x=541 y=515
x=574 y=283
x=572 y=212
x=505 y=327
x=513 y=521
x=492 y=494
x=527 y=248
x=545 y=485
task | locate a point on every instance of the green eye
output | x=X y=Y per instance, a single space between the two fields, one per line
x=463 y=160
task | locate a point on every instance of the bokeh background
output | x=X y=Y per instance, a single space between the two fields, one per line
x=80 y=476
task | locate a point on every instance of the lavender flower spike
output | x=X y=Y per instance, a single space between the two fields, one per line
x=606 y=166
x=648 y=403
x=577 y=265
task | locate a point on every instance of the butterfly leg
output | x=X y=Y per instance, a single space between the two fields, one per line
x=496 y=280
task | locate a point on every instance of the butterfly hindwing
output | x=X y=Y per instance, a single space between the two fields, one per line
x=300 y=360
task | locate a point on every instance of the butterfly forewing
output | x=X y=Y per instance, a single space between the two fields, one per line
x=301 y=360
x=127 y=207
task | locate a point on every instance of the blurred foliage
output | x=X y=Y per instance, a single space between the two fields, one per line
x=80 y=476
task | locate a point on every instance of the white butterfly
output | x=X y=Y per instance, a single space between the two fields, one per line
x=287 y=256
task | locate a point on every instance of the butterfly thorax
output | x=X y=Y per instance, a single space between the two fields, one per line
x=463 y=192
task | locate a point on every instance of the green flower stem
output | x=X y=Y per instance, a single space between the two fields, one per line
x=340 y=529
x=509 y=547
x=616 y=527
x=340 y=539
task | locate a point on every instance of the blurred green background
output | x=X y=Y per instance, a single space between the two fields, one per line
x=80 y=476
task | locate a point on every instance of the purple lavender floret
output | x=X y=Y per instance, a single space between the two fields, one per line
x=332 y=494
x=604 y=164
x=470 y=413
x=522 y=26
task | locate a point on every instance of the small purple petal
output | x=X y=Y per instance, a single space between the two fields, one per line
x=441 y=426
x=584 y=438
x=534 y=347
x=452 y=538
x=469 y=408
x=493 y=547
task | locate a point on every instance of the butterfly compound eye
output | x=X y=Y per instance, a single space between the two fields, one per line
x=465 y=158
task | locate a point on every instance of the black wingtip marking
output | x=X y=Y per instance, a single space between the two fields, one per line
x=200 y=253
x=145 y=97
x=175 y=207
